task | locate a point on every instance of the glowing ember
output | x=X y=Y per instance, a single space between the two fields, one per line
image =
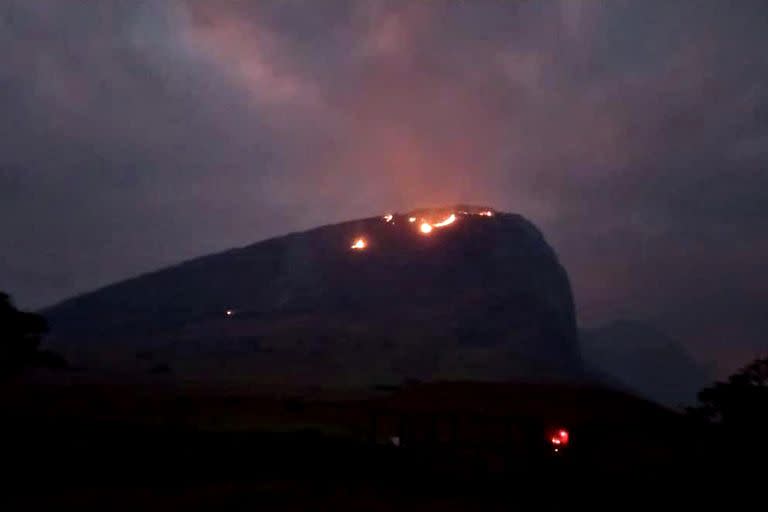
x=449 y=220
x=411 y=219
x=359 y=244
x=388 y=217
x=425 y=228
x=486 y=213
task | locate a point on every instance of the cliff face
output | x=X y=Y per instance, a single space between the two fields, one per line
x=482 y=296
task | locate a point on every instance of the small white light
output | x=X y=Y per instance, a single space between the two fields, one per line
x=229 y=312
x=411 y=219
x=388 y=217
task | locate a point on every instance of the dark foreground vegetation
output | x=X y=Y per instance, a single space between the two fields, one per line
x=160 y=447
x=20 y=337
x=75 y=440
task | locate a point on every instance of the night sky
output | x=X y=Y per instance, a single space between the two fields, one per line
x=135 y=134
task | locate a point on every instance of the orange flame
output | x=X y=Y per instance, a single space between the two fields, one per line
x=359 y=244
x=425 y=228
x=446 y=222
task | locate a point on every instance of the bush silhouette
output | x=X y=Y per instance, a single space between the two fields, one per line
x=20 y=337
x=741 y=402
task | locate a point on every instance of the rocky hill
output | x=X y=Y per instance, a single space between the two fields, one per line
x=457 y=292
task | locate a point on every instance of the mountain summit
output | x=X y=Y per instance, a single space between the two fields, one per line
x=455 y=292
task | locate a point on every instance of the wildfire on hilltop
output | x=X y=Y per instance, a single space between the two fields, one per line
x=450 y=220
x=427 y=222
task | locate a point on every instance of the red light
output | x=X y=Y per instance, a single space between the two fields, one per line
x=559 y=437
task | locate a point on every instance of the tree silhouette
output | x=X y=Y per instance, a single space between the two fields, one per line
x=20 y=337
x=741 y=402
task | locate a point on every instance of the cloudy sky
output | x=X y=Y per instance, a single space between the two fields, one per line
x=135 y=134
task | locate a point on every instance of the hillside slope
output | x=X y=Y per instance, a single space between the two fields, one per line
x=481 y=295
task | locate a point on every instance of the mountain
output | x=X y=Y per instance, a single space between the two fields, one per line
x=646 y=360
x=457 y=292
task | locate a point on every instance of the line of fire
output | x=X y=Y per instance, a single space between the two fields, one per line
x=425 y=221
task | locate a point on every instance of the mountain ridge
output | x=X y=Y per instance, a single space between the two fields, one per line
x=478 y=295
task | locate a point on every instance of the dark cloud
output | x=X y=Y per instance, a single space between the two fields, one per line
x=135 y=134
